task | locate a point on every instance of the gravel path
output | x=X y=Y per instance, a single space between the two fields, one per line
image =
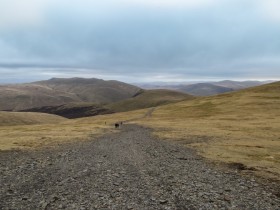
x=127 y=170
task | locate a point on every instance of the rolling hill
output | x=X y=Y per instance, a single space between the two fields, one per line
x=253 y=100
x=57 y=91
x=143 y=99
x=27 y=118
x=237 y=127
x=72 y=110
x=92 y=90
x=149 y=98
x=238 y=85
x=17 y=97
x=203 y=89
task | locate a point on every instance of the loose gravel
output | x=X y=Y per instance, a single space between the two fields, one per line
x=126 y=170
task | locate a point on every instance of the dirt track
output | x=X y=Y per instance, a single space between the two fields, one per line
x=127 y=170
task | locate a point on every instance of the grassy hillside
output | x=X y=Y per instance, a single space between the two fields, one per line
x=241 y=127
x=238 y=85
x=204 y=89
x=27 y=118
x=18 y=135
x=56 y=92
x=73 y=110
x=93 y=90
x=18 y=97
x=143 y=99
x=149 y=98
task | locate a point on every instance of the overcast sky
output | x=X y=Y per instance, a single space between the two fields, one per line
x=139 y=40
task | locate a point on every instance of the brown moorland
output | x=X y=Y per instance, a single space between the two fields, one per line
x=240 y=127
x=58 y=91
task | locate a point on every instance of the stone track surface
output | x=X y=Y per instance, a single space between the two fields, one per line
x=125 y=170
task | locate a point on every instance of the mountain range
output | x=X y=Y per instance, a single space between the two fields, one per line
x=205 y=88
x=79 y=97
x=143 y=99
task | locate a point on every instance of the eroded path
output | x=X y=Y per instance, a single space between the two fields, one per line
x=127 y=170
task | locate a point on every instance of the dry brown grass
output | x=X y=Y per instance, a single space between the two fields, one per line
x=58 y=132
x=241 y=127
x=27 y=118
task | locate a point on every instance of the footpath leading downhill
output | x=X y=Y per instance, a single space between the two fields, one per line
x=126 y=170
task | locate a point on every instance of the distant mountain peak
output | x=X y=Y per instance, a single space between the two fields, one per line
x=58 y=91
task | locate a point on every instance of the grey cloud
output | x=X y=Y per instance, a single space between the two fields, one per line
x=226 y=41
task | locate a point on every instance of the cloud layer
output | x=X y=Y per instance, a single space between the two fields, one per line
x=140 y=40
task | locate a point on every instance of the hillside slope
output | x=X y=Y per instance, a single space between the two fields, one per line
x=18 y=97
x=257 y=100
x=203 y=89
x=92 y=90
x=72 y=110
x=238 y=127
x=57 y=91
x=143 y=99
x=238 y=85
x=27 y=118
x=149 y=98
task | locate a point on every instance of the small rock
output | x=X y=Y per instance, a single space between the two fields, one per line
x=55 y=198
x=45 y=205
x=227 y=198
x=24 y=198
x=163 y=201
x=10 y=191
